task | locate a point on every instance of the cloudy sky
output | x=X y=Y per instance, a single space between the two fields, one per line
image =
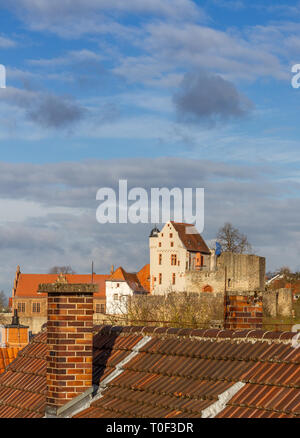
x=163 y=93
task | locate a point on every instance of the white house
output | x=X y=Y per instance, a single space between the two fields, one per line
x=121 y=285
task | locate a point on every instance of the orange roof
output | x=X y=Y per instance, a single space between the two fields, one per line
x=27 y=284
x=133 y=280
x=192 y=242
x=7 y=355
x=144 y=277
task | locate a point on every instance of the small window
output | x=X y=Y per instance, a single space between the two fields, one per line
x=159 y=259
x=124 y=298
x=173 y=278
x=172 y=243
x=160 y=278
x=173 y=259
x=21 y=307
x=171 y=235
x=118 y=284
x=116 y=297
x=36 y=307
x=100 y=308
x=159 y=244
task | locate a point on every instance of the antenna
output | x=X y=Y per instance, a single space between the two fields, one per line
x=92 y=272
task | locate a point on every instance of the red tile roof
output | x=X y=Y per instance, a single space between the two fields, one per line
x=192 y=242
x=27 y=284
x=137 y=282
x=144 y=277
x=170 y=373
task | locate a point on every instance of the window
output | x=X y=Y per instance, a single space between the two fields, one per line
x=173 y=259
x=160 y=278
x=171 y=235
x=100 y=308
x=116 y=297
x=123 y=298
x=118 y=284
x=172 y=243
x=159 y=244
x=173 y=278
x=21 y=307
x=159 y=259
x=36 y=307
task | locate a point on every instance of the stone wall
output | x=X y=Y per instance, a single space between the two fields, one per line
x=233 y=272
x=277 y=303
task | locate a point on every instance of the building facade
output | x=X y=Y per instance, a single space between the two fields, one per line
x=32 y=307
x=174 y=251
x=122 y=285
x=180 y=261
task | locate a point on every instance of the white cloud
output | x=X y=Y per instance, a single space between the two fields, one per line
x=6 y=43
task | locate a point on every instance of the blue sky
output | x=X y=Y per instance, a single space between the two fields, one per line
x=136 y=87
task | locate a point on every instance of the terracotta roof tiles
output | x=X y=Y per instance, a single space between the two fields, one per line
x=27 y=284
x=191 y=241
x=174 y=374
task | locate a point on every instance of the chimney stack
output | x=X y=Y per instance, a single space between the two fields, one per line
x=70 y=341
x=16 y=334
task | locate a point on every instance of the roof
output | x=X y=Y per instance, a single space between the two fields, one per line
x=137 y=282
x=27 y=284
x=7 y=355
x=166 y=372
x=144 y=277
x=191 y=241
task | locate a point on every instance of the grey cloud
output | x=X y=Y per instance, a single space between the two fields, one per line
x=54 y=112
x=74 y=184
x=46 y=110
x=203 y=96
x=250 y=197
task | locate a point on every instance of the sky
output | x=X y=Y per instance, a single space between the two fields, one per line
x=162 y=93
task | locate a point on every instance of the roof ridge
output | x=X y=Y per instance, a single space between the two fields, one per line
x=252 y=335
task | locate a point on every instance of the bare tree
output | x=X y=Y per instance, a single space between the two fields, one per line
x=61 y=269
x=232 y=240
x=3 y=301
x=284 y=270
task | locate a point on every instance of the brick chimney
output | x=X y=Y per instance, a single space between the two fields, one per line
x=15 y=334
x=70 y=341
x=243 y=311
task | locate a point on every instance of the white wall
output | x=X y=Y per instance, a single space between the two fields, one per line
x=166 y=269
x=119 y=306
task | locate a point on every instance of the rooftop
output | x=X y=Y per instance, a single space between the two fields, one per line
x=27 y=284
x=192 y=240
x=167 y=372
